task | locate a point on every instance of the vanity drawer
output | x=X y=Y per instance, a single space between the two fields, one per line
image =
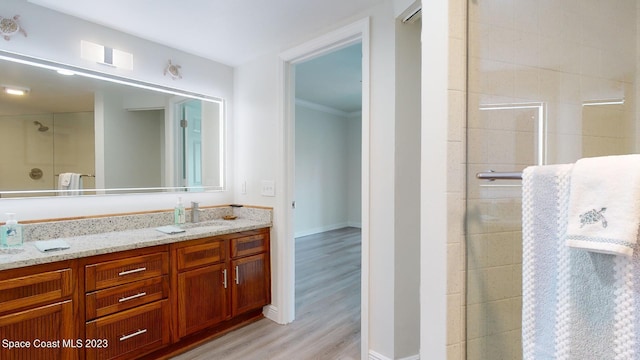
x=122 y=297
x=211 y=252
x=129 y=333
x=28 y=290
x=117 y=272
x=249 y=245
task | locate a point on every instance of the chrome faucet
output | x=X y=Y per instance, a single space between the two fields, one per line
x=195 y=212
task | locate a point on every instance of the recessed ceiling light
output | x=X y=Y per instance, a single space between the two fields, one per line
x=65 y=72
x=14 y=90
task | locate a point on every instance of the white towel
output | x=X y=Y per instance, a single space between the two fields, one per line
x=542 y=189
x=576 y=304
x=64 y=180
x=604 y=204
x=70 y=183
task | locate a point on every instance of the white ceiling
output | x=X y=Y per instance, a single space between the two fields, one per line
x=228 y=31
x=234 y=32
x=333 y=80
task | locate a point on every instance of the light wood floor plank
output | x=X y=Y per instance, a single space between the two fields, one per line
x=327 y=325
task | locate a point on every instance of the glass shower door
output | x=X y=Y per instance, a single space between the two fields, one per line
x=549 y=82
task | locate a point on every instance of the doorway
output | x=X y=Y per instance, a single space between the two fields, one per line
x=327 y=178
x=339 y=39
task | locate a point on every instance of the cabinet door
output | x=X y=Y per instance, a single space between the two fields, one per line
x=45 y=332
x=251 y=279
x=202 y=298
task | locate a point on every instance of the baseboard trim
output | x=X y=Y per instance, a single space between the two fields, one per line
x=354 y=224
x=320 y=229
x=271 y=313
x=376 y=356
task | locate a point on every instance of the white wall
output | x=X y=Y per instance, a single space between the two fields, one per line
x=259 y=145
x=434 y=167
x=324 y=164
x=63 y=45
x=133 y=150
x=354 y=158
x=407 y=186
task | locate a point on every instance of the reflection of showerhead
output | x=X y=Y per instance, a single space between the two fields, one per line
x=40 y=126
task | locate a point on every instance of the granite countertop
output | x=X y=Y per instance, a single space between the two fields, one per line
x=109 y=242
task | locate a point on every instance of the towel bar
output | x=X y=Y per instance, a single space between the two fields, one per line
x=82 y=175
x=493 y=175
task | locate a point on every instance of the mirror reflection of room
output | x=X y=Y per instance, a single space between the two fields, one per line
x=74 y=135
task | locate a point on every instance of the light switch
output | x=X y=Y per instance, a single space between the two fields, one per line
x=268 y=188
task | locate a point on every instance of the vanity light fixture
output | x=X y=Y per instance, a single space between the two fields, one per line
x=105 y=55
x=15 y=90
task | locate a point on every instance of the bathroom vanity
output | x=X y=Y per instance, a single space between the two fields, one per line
x=135 y=293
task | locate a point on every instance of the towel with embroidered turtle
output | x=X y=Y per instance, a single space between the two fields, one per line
x=604 y=204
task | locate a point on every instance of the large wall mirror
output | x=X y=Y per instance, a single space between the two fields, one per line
x=87 y=134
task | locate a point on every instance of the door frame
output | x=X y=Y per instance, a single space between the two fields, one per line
x=357 y=32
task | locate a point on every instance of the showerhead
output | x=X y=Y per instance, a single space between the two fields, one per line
x=40 y=126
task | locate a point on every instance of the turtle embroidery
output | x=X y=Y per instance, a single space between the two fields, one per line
x=592 y=217
x=10 y=27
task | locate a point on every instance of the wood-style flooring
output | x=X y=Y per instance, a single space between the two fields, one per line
x=327 y=325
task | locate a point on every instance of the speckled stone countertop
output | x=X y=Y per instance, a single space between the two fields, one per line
x=88 y=237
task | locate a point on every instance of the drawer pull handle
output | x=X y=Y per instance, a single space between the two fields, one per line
x=132 y=271
x=132 y=297
x=139 y=332
x=237 y=276
x=224 y=274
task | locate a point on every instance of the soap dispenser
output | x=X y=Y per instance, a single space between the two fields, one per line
x=179 y=217
x=11 y=232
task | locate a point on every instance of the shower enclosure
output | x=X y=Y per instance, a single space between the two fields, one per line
x=549 y=82
x=36 y=148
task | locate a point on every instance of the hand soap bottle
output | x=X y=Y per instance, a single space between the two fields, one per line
x=11 y=232
x=179 y=217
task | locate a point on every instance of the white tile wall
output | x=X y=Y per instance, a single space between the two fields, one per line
x=560 y=53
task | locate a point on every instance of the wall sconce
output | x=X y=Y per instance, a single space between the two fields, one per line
x=105 y=55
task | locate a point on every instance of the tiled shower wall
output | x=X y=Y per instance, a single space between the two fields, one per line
x=540 y=74
x=456 y=180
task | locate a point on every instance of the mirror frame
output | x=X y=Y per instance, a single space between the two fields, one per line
x=52 y=65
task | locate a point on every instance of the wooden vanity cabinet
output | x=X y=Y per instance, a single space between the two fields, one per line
x=221 y=277
x=127 y=309
x=202 y=283
x=37 y=312
x=251 y=272
x=144 y=303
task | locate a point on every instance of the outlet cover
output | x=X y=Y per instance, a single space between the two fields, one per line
x=268 y=188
